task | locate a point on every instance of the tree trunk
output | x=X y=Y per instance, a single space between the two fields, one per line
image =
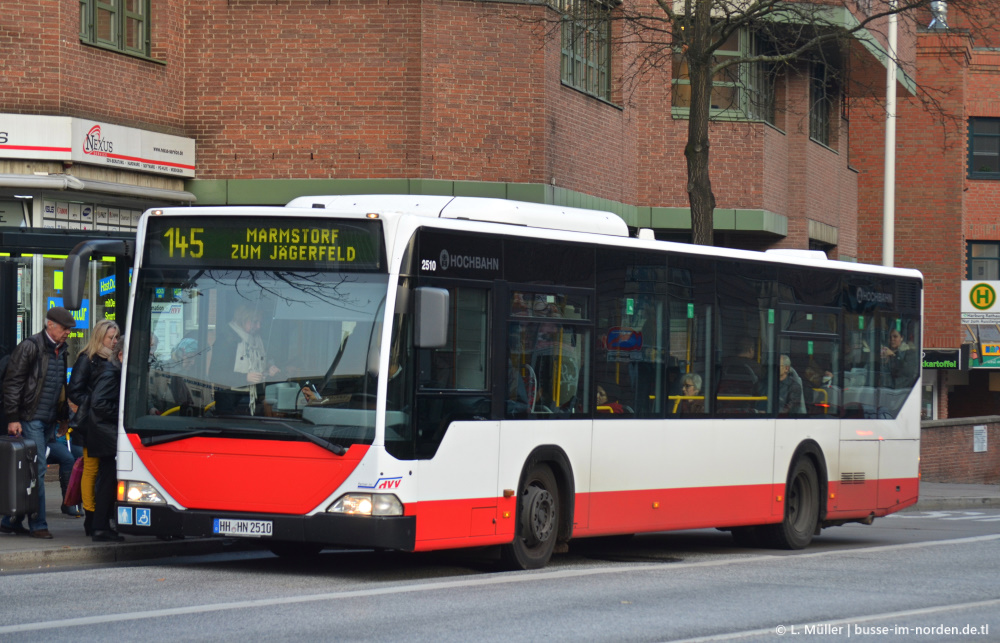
x=699 y=185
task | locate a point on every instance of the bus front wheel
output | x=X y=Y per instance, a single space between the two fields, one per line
x=537 y=521
x=796 y=530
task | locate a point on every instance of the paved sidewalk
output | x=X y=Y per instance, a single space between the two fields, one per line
x=71 y=547
x=936 y=496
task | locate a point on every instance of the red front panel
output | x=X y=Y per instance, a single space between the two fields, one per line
x=447 y=524
x=262 y=476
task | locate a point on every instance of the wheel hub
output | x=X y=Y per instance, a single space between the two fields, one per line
x=539 y=512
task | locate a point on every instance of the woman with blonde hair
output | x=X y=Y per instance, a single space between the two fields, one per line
x=88 y=366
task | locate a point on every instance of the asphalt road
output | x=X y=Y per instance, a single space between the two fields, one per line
x=928 y=576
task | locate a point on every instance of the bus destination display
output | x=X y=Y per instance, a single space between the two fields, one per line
x=249 y=243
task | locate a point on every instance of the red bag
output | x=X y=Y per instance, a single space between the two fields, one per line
x=73 y=494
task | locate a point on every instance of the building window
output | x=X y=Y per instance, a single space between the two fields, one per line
x=984 y=148
x=984 y=260
x=822 y=98
x=586 y=46
x=122 y=25
x=739 y=91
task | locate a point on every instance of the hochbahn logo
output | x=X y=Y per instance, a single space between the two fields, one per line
x=447 y=260
x=95 y=145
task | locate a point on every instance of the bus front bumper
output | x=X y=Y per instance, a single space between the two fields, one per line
x=381 y=532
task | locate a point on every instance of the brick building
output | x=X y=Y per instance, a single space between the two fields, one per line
x=257 y=101
x=947 y=198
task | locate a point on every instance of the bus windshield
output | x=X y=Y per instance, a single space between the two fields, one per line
x=254 y=352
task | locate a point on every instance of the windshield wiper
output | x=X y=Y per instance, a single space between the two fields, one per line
x=174 y=437
x=336 y=449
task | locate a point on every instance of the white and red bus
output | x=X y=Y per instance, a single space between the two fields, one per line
x=421 y=373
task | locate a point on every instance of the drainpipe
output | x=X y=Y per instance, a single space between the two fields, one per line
x=889 y=189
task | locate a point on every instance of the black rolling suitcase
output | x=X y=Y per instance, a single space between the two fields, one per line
x=18 y=474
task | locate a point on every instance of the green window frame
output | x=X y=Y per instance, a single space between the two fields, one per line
x=983 y=260
x=984 y=148
x=586 y=46
x=119 y=25
x=739 y=92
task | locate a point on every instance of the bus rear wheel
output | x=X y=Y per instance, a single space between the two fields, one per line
x=796 y=530
x=537 y=521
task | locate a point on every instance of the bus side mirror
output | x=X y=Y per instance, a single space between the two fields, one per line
x=77 y=262
x=74 y=279
x=431 y=315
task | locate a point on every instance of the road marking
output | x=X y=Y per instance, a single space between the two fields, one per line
x=978 y=516
x=477 y=581
x=733 y=636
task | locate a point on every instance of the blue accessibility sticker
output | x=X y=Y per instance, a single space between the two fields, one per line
x=143 y=518
x=124 y=515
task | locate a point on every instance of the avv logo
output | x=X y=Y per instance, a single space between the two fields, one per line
x=383 y=483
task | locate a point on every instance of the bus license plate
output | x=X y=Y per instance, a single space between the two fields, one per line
x=244 y=528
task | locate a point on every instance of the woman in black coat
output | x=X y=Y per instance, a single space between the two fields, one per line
x=102 y=442
x=88 y=366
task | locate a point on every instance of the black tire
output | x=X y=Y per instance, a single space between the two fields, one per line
x=796 y=530
x=294 y=550
x=537 y=521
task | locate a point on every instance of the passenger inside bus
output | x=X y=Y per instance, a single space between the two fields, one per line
x=790 y=398
x=692 y=402
x=898 y=362
x=818 y=389
x=740 y=379
x=606 y=403
x=239 y=361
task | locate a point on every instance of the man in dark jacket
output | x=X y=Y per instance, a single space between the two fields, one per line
x=35 y=402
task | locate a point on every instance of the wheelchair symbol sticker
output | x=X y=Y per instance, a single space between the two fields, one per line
x=124 y=515
x=142 y=517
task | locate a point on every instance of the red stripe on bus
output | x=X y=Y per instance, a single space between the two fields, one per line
x=447 y=524
x=444 y=524
x=626 y=512
x=265 y=476
x=871 y=497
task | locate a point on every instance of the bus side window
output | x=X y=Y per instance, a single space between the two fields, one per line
x=453 y=380
x=746 y=374
x=462 y=363
x=859 y=366
x=548 y=356
x=633 y=332
x=898 y=361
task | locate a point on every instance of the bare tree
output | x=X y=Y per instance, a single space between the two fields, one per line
x=688 y=35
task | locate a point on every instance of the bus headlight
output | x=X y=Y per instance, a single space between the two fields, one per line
x=130 y=491
x=367 y=504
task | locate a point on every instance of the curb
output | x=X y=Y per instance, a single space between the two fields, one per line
x=69 y=556
x=942 y=504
